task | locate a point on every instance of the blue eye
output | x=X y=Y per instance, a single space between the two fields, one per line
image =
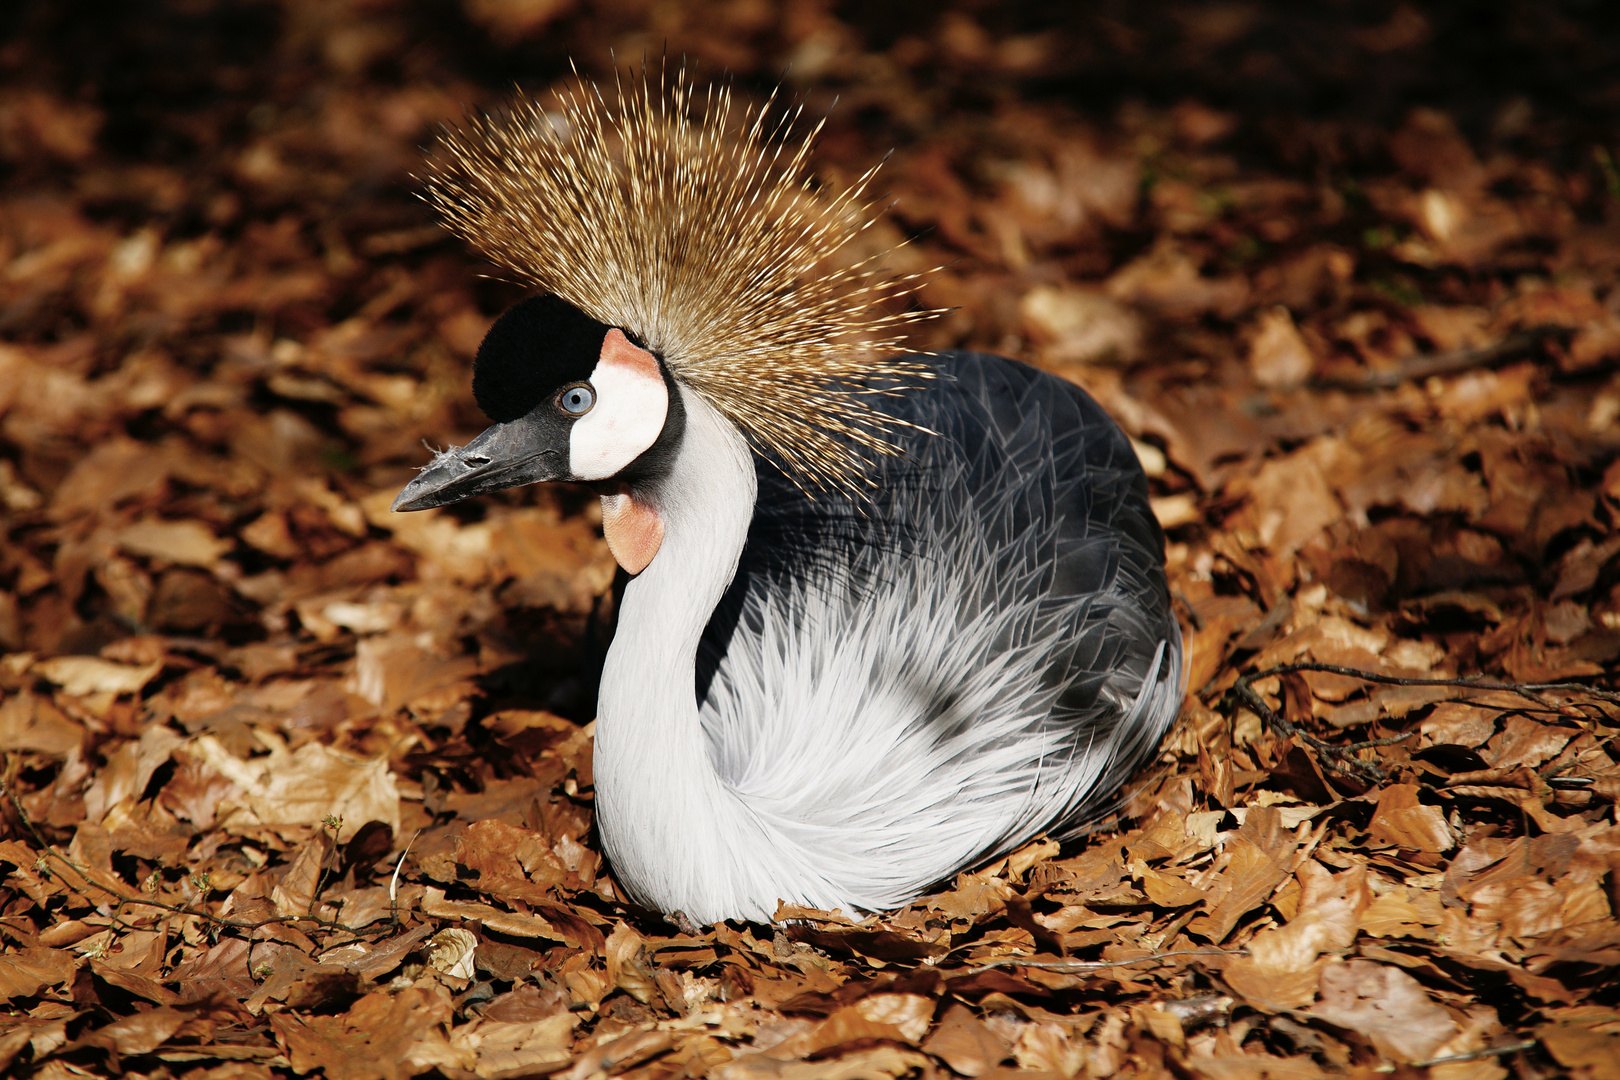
x=577 y=400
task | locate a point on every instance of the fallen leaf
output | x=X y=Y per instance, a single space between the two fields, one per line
x=1291 y=500
x=1074 y=326
x=25 y=972
x=1405 y=822
x=306 y=786
x=383 y=1036
x=140 y=1033
x=296 y=892
x=128 y=770
x=1167 y=280
x=517 y=925
x=84 y=676
x=1284 y=965
x=501 y=1050
x=909 y=1014
x=451 y=952
x=1279 y=358
x=1589 y=1048
x=965 y=1044
x=188 y=543
x=1386 y=1005
x=620 y=1054
x=32 y=723
x=1525 y=742
x=1257 y=865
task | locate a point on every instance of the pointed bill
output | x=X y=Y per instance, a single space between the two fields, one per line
x=504 y=456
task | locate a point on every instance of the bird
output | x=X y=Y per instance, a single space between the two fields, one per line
x=889 y=615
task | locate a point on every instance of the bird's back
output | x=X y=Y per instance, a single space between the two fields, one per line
x=979 y=652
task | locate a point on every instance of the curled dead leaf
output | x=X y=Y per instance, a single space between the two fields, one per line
x=1284 y=965
x=1402 y=820
x=909 y=1014
x=451 y=951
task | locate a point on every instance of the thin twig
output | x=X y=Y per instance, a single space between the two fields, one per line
x=1468 y=683
x=1342 y=759
x=1094 y=965
x=1476 y=1055
x=1448 y=363
x=49 y=850
x=335 y=825
x=1333 y=758
x=1373 y=744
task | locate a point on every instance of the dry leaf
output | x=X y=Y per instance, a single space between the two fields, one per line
x=381 y=1037
x=295 y=893
x=501 y=1050
x=1075 y=326
x=1403 y=821
x=517 y=925
x=25 y=972
x=1386 y=1005
x=32 y=723
x=965 y=1043
x=1279 y=359
x=1258 y=864
x=128 y=770
x=909 y=1014
x=451 y=952
x=188 y=543
x=86 y=676
x=1284 y=964
x=305 y=787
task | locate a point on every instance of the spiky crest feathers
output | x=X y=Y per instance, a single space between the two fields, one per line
x=694 y=224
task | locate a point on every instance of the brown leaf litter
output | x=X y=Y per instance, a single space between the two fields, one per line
x=295 y=786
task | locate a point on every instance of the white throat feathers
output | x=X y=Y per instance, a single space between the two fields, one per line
x=667 y=820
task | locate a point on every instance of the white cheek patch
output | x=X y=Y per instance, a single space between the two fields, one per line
x=632 y=403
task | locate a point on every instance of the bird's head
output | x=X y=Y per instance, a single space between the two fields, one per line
x=572 y=399
x=680 y=241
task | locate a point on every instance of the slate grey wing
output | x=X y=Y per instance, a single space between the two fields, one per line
x=1076 y=494
x=1068 y=468
x=1021 y=534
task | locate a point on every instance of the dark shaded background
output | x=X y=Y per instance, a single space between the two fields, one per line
x=177 y=79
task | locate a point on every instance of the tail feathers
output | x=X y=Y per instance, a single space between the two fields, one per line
x=1141 y=728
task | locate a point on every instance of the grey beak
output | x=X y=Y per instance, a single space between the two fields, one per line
x=505 y=455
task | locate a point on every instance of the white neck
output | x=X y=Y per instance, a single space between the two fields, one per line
x=673 y=830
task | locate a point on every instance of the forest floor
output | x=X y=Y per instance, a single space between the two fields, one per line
x=295 y=785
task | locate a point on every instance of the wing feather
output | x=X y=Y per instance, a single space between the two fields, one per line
x=980 y=651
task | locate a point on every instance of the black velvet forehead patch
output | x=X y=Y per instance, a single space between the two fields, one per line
x=535 y=348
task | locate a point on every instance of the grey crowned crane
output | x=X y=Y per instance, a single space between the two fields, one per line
x=889 y=616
